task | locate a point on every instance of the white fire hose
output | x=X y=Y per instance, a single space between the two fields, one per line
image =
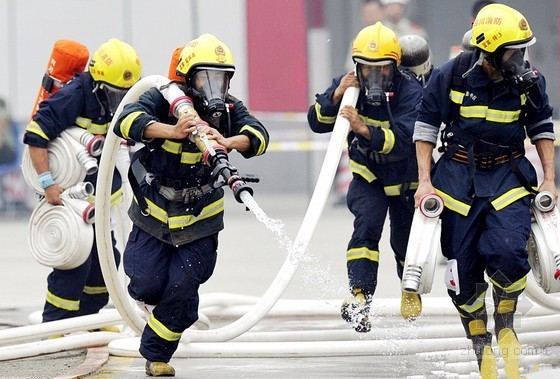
x=69 y=160
x=62 y=236
x=423 y=244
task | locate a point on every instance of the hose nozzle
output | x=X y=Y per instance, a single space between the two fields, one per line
x=431 y=205
x=544 y=201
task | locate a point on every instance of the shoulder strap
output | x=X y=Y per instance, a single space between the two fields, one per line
x=134 y=185
x=460 y=66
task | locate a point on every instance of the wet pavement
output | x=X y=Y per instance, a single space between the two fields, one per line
x=249 y=259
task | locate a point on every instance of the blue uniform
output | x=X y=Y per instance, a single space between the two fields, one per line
x=79 y=291
x=384 y=171
x=173 y=249
x=484 y=179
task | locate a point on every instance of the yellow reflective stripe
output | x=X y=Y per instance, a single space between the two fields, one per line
x=523 y=99
x=210 y=210
x=176 y=222
x=191 y=158
x=504 y=117
x=126 y=124
x=92 y=127
x=374 y=122
x=94 y=290
x=514 y=287
x=172 y=147
x=259 y=135
x=493 y=115
x=478 y=303
x=83 y=122
x=362 y=170
x=69 y=305
x=454 y=204
x=33 y=127
x=155 y=211
x=98 y=128
x=476 y=111
x=161 y=330
x=509 y=197
x=362 y=253
x=414 y=185
x=389 y=141
x=116 y=197
x=321 y=118
x=456 y=97
x=394 y=190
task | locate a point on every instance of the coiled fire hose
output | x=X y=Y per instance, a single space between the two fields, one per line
x=69 y=160
x=62 y=236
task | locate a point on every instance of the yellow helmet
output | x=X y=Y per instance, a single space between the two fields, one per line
x=205 y=51
x=376 y=43
x=497 y=25
x=115 y=63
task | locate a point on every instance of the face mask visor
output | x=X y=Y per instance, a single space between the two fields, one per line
x=375 y=79
x=211 y=87
x=112 y=97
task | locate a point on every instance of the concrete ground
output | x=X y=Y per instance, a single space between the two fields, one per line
x=249 y=258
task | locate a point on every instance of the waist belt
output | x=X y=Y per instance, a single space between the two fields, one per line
x=185 y=195
x=485 y=161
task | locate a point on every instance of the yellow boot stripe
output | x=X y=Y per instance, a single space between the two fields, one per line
x=477 y=327
x=506 y=306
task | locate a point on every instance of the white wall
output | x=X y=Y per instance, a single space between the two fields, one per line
x=29 y=28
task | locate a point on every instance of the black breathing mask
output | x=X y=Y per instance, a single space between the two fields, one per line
x=514 y=68
x=375 y=81
x=210 y=88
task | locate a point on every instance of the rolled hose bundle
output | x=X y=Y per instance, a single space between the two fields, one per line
x=92 y=143
x=61 y=237
x=66 y=170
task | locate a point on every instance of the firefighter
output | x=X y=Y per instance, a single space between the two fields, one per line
x=490 y=100
x=89 y=101
x=172 y=248
x=382 y=161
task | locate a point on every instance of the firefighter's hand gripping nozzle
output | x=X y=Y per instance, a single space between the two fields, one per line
x=214 y=154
